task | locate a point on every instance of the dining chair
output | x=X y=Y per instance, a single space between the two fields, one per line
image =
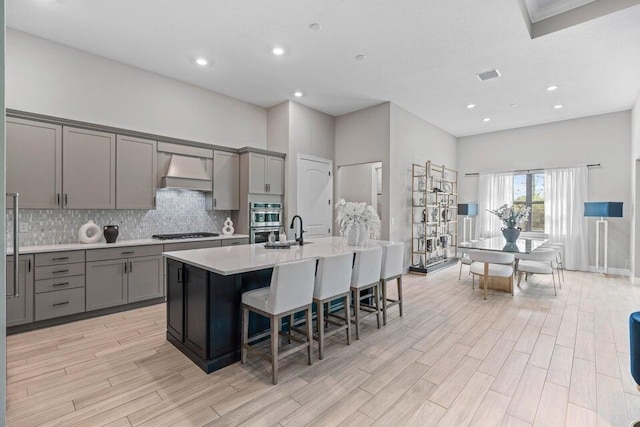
x=488 y=264
x=539 y=261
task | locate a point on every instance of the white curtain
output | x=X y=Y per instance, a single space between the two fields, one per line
x=565 y=193
x=495 y=190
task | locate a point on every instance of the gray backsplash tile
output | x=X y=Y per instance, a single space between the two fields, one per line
x=177 y=211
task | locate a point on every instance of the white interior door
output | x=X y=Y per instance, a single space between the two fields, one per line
x=315 y=195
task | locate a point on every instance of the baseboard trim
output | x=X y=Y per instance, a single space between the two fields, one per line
x=613 y=271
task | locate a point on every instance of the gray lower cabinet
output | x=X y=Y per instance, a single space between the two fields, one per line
x=89 y=169
x=20 y=298
x=235 y=242
x=136 y=173
x=59 y=303
x=106 y=284
x=34 y=163
x=144 y=279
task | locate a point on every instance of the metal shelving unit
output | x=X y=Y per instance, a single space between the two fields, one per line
x=434 y=226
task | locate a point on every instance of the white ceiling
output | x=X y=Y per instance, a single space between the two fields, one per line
x=421 y=54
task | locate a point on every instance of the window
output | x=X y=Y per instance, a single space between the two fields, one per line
x=528 y=190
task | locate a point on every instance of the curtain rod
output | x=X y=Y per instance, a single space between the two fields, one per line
x=594 y=165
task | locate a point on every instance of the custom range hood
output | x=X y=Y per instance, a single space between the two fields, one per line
x=187 y=173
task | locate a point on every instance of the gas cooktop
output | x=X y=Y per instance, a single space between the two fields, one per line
x=178 y=236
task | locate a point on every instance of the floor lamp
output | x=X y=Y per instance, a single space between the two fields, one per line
x=603 y=210
x=467 y=210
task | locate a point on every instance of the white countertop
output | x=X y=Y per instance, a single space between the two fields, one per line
x=24 y=250
x=240 y=259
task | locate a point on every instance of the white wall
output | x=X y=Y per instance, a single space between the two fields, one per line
x=604 y=139
x=49 y=78
x=364 y=137
x=635 y=188
x=413 y=140
x=358 y=183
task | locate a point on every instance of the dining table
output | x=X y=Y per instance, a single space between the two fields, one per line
x=523 y=245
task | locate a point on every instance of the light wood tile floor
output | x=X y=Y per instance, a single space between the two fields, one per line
x=452 y=360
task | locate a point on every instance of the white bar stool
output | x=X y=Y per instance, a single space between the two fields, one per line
x=333 y=281
x=366 y=275
x=391 y=269
x=290 y=292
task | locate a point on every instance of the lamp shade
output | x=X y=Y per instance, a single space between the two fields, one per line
x=470 y=209
x=603 y=209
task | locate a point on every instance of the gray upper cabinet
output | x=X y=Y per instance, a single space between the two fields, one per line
x=135 y=173
x=34 y=163
x=226 y=181
x=266 y=174
x=20 y=297
x=275 y=175
x=89 y=175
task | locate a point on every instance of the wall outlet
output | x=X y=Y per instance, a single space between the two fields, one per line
x=24 y=227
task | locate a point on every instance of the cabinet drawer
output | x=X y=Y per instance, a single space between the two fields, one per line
x=185 y=246
x=235 y=242
x=123 y=252
x=56 y=271
x=50 y=285
x=59 y=303
x=55 y=258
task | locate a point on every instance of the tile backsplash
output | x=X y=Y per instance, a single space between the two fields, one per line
x=177 y=211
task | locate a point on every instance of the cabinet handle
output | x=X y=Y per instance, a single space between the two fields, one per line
x=154 y=201
x=61 y=258
x=29 y=266
x=66 y=199
x=60 y=284
x=59 y=271
x=127 y=253
x=130 y=267
x=180 y=275
x=61 y=303
x=269 y=187
x=214 y=203
x=125 y=267
x=57 y=199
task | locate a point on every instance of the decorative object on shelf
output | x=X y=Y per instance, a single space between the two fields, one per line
x=111 y=233
x=514 y=218
x=467 y=210
x=603 y=210
x=446 y=187
x=228 y=229
x=421 y=184
x=358 y=222
x=89 y=232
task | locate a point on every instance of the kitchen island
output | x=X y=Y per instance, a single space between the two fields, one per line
x=204 y=292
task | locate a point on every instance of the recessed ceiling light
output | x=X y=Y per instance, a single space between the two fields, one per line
x=201 y=61
x=297 y=94
x=514 y=105
x=486 y=119
x=278 y=51
x=558 y=107
x=315 y=27
x=552 y=88
x=361 y=57
x=470 y=106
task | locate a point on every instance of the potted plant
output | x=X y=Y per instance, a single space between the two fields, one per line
x=514 y=218
x=358 y=222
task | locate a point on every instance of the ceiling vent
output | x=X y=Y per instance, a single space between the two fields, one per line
x=488 y=75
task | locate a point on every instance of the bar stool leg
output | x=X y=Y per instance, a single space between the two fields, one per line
x=356 y=310
x=245 y=334
x=400 y=300
x=309 y=333
x=320 y=321
x=274 y=348
x=383 y=285
x=290 y=326
x=347 y=315
x=376 y=293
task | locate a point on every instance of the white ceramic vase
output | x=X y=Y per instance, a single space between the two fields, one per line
x=357 y=234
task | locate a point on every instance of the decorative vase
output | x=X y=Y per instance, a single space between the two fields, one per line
x=356 y=235
x=228 y=229
x=110 y=233
x=511 y=234
x=89 y=232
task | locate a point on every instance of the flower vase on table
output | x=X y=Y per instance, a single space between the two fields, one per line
x=358 y=222
x=513 y=219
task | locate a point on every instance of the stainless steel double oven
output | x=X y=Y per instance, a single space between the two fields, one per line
x=264 y=218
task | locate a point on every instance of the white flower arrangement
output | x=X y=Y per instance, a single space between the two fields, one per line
x=357 y=217
x=512 y=216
